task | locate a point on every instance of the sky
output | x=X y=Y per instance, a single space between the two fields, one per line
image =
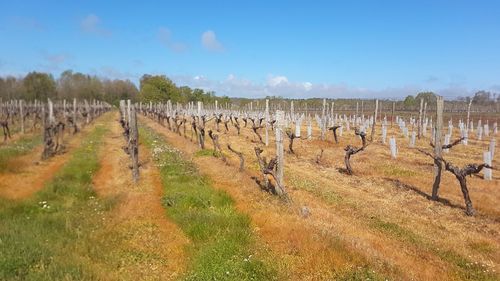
x=334 y=49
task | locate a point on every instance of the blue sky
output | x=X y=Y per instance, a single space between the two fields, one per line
x=257 y=48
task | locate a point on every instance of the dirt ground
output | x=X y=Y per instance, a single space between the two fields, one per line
x=139 y=216
x=380 y=215
x=33 y=173
x=379 y=219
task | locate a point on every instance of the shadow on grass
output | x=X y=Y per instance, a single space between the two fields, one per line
x=415 y=189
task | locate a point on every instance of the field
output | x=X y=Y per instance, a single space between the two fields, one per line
x=194 y=215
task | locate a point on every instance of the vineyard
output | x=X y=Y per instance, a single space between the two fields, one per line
x=269 y=191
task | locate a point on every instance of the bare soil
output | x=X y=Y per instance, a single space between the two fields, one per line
x=154 y=247
x=380 y=215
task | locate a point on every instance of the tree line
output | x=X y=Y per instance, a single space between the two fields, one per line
x=69 y=85
x=155 y=88
x=159 y=88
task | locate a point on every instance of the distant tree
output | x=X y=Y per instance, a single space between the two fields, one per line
x=224 y=100
x=409 y=101
x=482 y=98
x=464 y=99
x=429 y=98
x=186 y=94
x=11 y=88
x=158 y=88
x=116 y=90
x=69 y=85
x=78 y=85
x=39 y=86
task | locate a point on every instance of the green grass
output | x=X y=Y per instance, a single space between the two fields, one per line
x=222 y=242
x=396 y=231
x=358 y=274
x=465 y=269
x=204 y=152
x=390 y=170
x=16 y=148
x=51 y=235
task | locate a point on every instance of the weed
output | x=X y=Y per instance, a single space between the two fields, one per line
x=222 y=238
x=50 y=235
x=20 y=147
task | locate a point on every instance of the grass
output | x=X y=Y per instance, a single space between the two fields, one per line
x=482 y=247
x=299 y=182
x=204 y=152
x=396 y=231
x=222 y=240
x=390 y=170
x=16 y=148
x=51 y=236
x=465 y=269
x=358 y=274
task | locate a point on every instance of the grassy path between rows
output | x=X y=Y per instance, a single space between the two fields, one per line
x=51 y=235
x=19 y=147
x=222 y=245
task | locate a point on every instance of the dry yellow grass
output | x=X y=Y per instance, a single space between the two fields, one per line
x=380 y=215
x=152 y=247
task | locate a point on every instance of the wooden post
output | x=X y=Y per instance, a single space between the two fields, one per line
x=51 y=112
x=380 y=112
x=87 y=108
x=424 y=117
x=48 y=149
x=468 y=115
x=331 y=110
x=44 y=120
x=134 y=142
x=393 y=109
x=492 y=147
x=21 y=113
x=199 y=111
x=46 y=136
x=129 y=111
x=267 y=122
x=438 y=150
x=419 y=125
x=64 y=110
x=393 y=147
x=487 y=157
x=74 y=112
x=374 y=120
x=280 y=120
x=323 y=121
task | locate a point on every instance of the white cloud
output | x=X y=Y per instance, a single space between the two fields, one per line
x=199 y=78
x=281 y=86
x=165 y=37
x=92 y=24
x=275 y=81
x=209 y=41
x=307 y=86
